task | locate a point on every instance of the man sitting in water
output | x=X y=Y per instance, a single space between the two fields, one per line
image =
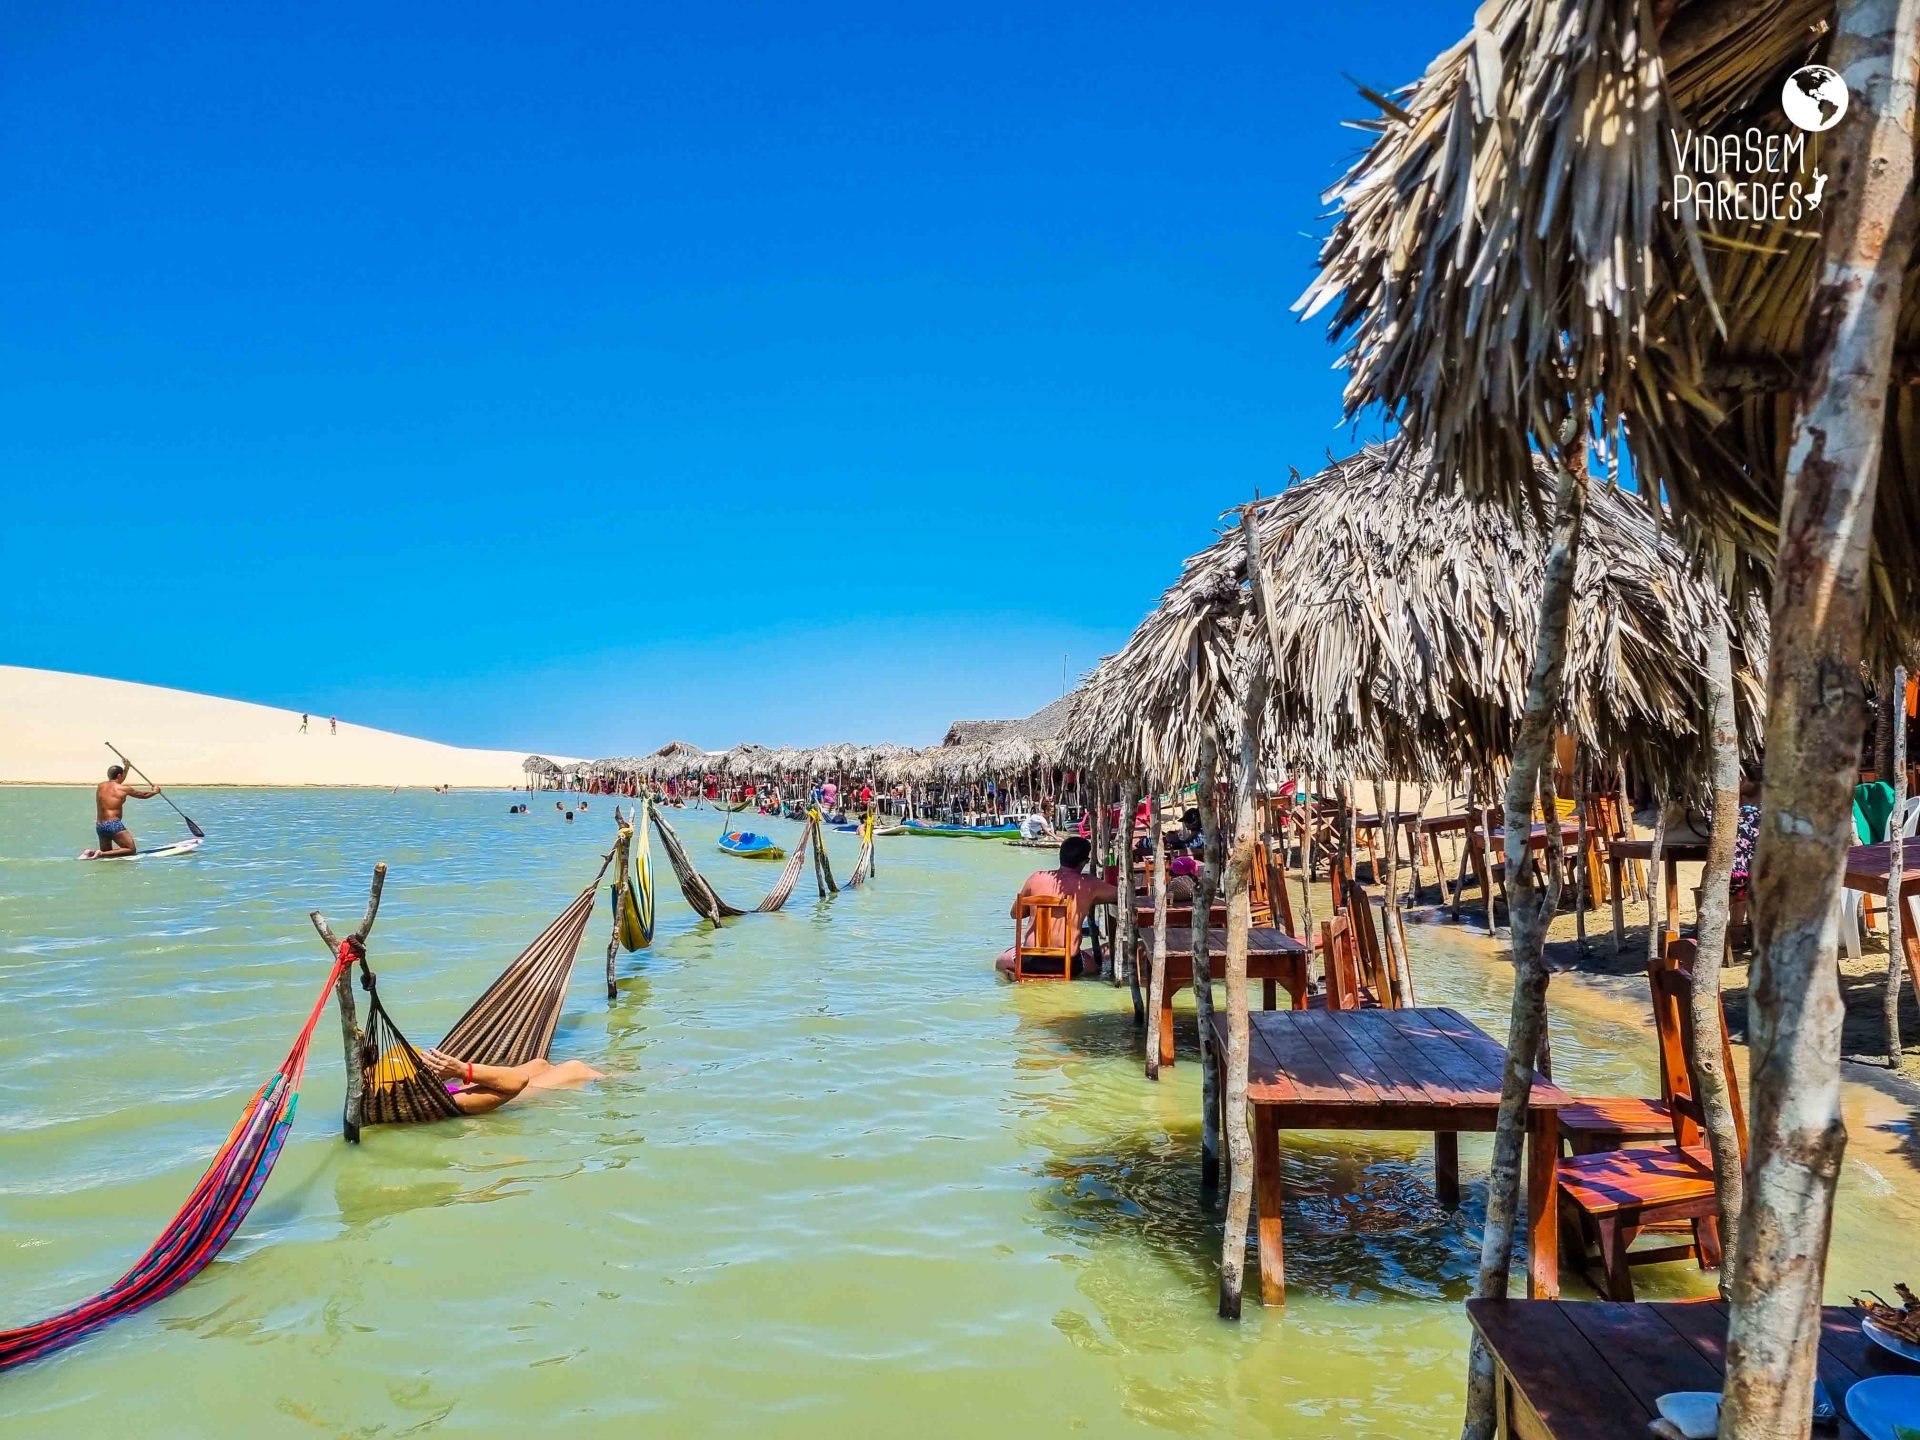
x=477 y=1089
x=1083 y=892
x=110 y=797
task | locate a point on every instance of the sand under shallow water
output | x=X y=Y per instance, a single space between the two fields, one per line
x=839 y=1177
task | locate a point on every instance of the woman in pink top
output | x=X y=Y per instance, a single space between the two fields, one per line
x=1083 y=892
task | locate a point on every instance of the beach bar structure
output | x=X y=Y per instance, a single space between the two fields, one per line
x=1510 y=277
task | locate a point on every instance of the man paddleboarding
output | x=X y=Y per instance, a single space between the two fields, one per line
x=110 y=798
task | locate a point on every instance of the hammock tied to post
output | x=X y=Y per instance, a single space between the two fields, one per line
x=213 y=1211
x=511 y=1023
x=699 y=890
x=635 y=898
x=706 y=900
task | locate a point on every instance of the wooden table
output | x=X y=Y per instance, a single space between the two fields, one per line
x=1415 y=1069
x=1479 y=842
x=1868 y=867
x=1274 y=958
x=1672 y=853
x=1396 y=823
x=1592 y=1370
x=1179 y=918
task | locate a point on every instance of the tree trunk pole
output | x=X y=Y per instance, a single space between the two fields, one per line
x=1127 y=929
x=621 y=846
x=1813 y=724
x=1203 y=891
x=1527 y=917
x=1233 y=1248
x=1896 y=870
x=1655 y=887
x=1157 y=984
x=352 y=1111
x=1716 y=880
x=1396 y=937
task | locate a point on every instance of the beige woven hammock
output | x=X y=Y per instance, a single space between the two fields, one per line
x=511 y=1023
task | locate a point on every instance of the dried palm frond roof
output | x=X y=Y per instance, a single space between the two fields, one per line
x=1406 y=629
x=1503 y=253
x=539 y=765
x=974 y=732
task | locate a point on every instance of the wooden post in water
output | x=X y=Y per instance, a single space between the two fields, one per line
x=1157 y=987
x=1125 y=966
x=343 y=993
x=621 y=849
x=1897 y=917
x=1208 y=803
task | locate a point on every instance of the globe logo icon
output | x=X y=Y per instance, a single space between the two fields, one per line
x=1814 y=97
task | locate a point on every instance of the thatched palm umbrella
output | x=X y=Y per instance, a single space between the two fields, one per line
x=1508 y=262
x=1407 y=622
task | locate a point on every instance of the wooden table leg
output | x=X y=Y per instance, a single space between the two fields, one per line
x=1619 y=904
x=1910 y=943
x=1270 y=994
x=1673 y=894
x=1266 y=1201
x=1166 y=1027
x=1543 y=1229
x=1446 y=1168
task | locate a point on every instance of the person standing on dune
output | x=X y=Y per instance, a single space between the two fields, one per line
x=110 y=798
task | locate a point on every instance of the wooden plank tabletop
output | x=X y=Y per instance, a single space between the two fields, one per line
x=1258 y=941
x=1536 y=839
x=1672 y=849
x=1423 y=1058
x=1594 y=1370
x=1867 y=867
x=1179 y=917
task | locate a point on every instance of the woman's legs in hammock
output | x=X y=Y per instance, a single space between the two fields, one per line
x=491 y=1086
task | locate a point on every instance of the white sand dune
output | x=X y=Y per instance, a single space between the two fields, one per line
x=53 y=725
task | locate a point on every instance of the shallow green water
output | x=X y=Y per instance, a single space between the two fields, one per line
x=839 y=1177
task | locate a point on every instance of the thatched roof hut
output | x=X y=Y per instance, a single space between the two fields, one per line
x=1406 y=632
x=1510 y=233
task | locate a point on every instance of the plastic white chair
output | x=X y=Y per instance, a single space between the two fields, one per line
x=1852 y=900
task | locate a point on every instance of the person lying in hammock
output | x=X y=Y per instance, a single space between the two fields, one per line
x=477 y=1089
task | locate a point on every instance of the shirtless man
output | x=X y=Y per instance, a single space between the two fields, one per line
x=109 y=799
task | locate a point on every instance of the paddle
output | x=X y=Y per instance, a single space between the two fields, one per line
x=198 y=833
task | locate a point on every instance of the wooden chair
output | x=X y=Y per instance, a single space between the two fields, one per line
x=1592 y=1124
x=1344 y=989
x=1614 y=1195
x=1044 y=950
x=1379 y=986
x=1271 y=865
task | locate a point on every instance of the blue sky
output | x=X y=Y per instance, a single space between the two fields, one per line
x=582 y=376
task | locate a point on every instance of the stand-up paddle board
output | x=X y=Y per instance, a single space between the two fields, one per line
x=158 y=852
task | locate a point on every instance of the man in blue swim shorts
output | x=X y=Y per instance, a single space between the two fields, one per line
x=110 y=797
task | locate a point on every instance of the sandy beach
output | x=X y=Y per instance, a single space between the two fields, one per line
x=53 y=727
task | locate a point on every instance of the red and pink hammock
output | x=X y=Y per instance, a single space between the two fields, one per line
x=205 y=1223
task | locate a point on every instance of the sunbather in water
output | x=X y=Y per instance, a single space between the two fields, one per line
x=476 y=1089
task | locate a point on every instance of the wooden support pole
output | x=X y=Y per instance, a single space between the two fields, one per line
x=1157 y=988
x=1207 y=802
x=622 y=846
x=1124 y=963
x=1897 y=918
x=351 y=1111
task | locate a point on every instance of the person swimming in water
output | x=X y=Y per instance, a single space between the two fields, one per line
x=110 y=798
x=479 y=1089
